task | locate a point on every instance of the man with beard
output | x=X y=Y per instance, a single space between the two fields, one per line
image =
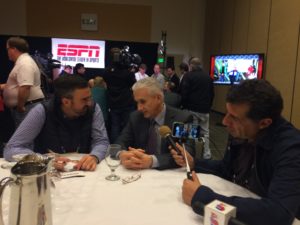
x=70 y=122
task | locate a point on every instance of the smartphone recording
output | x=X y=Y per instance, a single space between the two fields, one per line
x=186 y=130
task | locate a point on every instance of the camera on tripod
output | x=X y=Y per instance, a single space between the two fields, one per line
x=124 y=57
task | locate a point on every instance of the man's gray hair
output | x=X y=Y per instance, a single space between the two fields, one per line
x=195 y=64
x=151 y=84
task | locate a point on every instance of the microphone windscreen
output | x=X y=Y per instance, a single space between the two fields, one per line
x=164 y=131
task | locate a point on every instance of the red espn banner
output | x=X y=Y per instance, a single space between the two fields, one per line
x=71 y=51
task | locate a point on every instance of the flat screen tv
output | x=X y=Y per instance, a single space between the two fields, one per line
x=233 y=68
x=71 y=51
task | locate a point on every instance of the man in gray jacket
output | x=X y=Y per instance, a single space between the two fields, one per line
x=143 y=147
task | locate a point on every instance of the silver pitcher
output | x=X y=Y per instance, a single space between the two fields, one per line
x=30 y=198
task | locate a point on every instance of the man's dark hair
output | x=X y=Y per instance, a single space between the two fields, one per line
x=68 y=67
x=65 y=85
x=171 y=67
x=143 y=66
x=265 y=101
x=77 y=67
x=19 y=43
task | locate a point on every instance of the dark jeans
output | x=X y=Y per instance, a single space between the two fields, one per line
x=119 y=118
x=7 y=126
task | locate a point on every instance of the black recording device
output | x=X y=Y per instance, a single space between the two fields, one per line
x=124 y=57
x=185 y=131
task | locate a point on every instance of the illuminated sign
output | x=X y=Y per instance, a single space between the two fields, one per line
x=71 y=51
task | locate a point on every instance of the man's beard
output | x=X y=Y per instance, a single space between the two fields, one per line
x=84 y=111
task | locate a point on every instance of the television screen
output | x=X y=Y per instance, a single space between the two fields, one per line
x=231 y=69
x=72 y=51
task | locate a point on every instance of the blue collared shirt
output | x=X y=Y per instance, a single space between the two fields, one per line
x=22 y=140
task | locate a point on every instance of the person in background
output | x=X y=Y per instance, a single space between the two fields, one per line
x=142 y=72
x=142 y=146
x=171 y=98
x=1 y=99
x=119 y=81
x=99 y=94
x=23 y=87
x=66 y=71
x=197 y=93
x=158 y=76
x=172 y=77
x=80 y=70
x=184 y=68
x=263 y=156
x=70 y=122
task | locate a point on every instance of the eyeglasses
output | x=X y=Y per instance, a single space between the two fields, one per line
x=132 y=178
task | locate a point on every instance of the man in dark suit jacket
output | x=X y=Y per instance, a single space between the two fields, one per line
x=172 y=77
x=137 y=133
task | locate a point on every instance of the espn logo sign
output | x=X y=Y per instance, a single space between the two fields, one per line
x=78 y=50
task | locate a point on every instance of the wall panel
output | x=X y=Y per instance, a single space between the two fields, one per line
x=62 y=19
x=259 y=19
x=295 y=115
x=227 y=26
x=282 y=49
x=240 y=26
x=12 y=17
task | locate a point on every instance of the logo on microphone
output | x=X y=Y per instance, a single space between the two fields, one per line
x=220 y=207
x=214 y=219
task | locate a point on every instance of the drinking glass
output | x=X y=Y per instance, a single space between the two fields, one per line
x=112 y=161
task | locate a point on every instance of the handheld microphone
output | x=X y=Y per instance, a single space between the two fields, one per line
x=217 y=210
x=165 y=132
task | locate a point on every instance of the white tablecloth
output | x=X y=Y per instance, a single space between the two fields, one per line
x=154 y=199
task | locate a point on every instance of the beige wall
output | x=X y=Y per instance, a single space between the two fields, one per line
x=267 y=26
x=64 y=20
x=13 y=17
x=295 y=114
x=128 y=20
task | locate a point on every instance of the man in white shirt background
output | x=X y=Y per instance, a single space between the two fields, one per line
x=142 y=72
x=22 y=90
x=158 y=75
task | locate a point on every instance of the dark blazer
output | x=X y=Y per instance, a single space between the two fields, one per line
x=197 y=91
x=175 y=80
x=275 y=176
x=135 y=134
x=172 y=99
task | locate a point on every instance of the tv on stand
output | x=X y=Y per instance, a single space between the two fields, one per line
x=232 y=68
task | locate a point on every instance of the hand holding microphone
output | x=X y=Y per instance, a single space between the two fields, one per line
x=166 y=133
x=177 y=151
x=181 y=157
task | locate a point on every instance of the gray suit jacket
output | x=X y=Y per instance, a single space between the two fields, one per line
x=135 y=134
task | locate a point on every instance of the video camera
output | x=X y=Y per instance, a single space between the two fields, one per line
x=46 y=64
x=124 y=58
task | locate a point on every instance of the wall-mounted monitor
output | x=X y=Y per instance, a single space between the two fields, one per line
x=72 y=51
x=233 y=68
